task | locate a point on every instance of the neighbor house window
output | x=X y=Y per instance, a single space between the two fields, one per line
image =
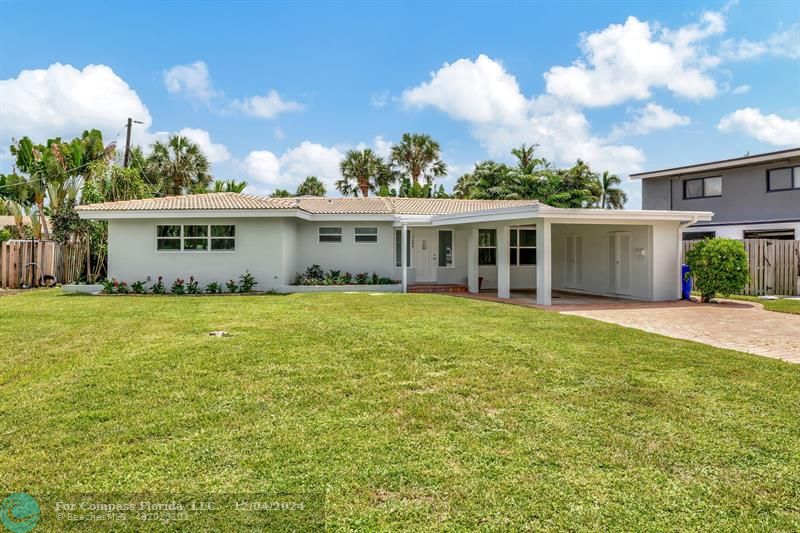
x=523 y=247
x=330 y=234
x=698 y=235
x=783 y=179
x=398 y=248
x=195 y=237
x=702 y=187
x=366 y=235
x=446 y=248
x=487 y=247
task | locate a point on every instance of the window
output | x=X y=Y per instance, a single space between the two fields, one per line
x=330 y=235
x=698 y=235
x=487 y=247
x=398 y=249
x=523 y=247
x=783 y=179
x=446 y=248
x=777 y=234
x=702 y=188
x=195 y=238
x=366 y=235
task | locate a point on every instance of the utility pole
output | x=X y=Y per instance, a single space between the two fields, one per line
x=128 y=141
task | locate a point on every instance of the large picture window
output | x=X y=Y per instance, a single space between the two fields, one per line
x=195 y=237
x=446 y=248
x=783 y=179
x=487 y=247
x=702 y=187
x=523 y=247
x=398 y=248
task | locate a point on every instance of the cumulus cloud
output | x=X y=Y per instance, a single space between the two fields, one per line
x=485 y=95
x=215 y=152
x=62 y=100
x=772 y=129
x=649 y=118
x=192 y=81
x=269 y=106
x=267 y=171
x=626 y=61
x=784 y=43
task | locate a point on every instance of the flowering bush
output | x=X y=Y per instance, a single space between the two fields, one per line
x=158 y=286
x=315 y=275
x=178 y=287
x=192 y=287
x=137 y=287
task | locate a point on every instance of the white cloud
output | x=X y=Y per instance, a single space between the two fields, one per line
x=771 y=129
x=63 y=101
x=192 y=80
x=382 y=147
x=784 y=43
x=649 y=118
x=625 y=61
x=741 y=89
x=266 y=171
x=379 y=100
x=216 y=153
x=483 y=94
x=269 y=106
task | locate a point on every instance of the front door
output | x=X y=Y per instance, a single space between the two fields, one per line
x=619 y=263
x=424 y=255
x=573 y=277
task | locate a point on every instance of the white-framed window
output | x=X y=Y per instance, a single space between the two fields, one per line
x=522 y=250
x=330 y=234
x=367 y=235
x=398 y=248
x=446 y=248
x=487 y=247
x=195 y=237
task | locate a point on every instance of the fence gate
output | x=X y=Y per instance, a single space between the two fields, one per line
x=774 y=266
x=65 y=262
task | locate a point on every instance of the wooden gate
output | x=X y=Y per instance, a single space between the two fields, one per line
x=774 y=266
x=65 y=262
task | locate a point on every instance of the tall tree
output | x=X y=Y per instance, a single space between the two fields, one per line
x=280 y=193
x=180 y=164
x=611 y=196
x=418 y=157
x=229 y=186
x=311 y=186
x=362 y=171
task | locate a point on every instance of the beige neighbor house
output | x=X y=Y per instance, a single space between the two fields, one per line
x=504 y=245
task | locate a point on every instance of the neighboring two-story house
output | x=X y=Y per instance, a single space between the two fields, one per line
x=752 y=197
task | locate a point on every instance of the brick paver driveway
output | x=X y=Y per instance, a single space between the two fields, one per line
x=742 y=326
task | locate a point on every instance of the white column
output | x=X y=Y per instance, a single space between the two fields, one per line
x=472 y=260
x=503 y=262
x=404 y=256
x=544 y=278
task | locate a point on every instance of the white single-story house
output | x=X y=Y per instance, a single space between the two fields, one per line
x=508 y=245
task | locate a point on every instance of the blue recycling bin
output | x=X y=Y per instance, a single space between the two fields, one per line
x=686 y=282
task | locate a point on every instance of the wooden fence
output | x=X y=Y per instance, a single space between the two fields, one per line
x=64 y=262
x=774 y=266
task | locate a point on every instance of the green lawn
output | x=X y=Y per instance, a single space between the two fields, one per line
x=783 y=305
x=396 y=412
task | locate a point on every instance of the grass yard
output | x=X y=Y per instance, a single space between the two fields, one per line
x=784 y=305
x=419 y=412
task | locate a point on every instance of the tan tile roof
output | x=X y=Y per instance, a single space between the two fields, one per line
x=313 y=205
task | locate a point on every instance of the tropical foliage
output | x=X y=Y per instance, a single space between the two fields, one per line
x=180 y=165
x=228 y=186
x=311 y=186
x=362 y=171
x=417 y=157
x=718 y=266
x=316 y=275
x=611 y=196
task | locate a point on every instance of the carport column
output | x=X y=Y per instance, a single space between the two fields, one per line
x=404 y=256
x=544 y=262
x=472 y=261
x=503 y=262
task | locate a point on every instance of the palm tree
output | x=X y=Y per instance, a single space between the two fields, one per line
x=280 y=193
x=362 y=171
x=611 y=197
x=229 y=186
x=180 y=165
x=418 y=157
x=311 y=186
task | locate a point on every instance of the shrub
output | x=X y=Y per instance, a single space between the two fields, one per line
x=123 y=288
x=109 y=286
x=247 y=282
x=137 y=287
x=314 y=275
x=178 y=287
x=361 y=278
x=192 y=287
x=158 y=286
x=718 y=266
x=214 y=288
x=232 y=286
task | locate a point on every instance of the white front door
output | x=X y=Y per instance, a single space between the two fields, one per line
x=573 y=277
x=425 y=255
x=619 y=263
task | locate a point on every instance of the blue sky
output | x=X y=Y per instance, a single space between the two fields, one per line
x=275 y=92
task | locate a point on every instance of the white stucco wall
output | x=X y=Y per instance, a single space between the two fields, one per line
x=132 y=254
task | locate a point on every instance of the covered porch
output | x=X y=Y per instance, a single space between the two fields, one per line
x=559 y=255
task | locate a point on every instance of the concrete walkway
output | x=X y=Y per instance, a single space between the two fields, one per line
x=741 y=326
